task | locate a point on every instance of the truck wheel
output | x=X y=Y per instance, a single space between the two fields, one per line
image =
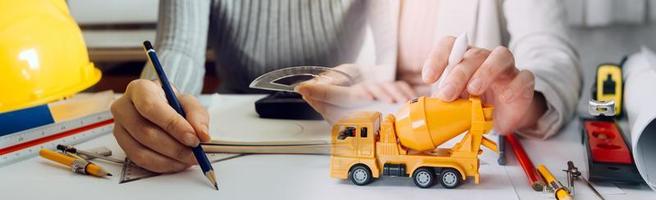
x=450 y=178
x=360 y=175
x=424 y=177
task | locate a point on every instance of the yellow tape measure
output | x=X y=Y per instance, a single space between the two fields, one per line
x=608 y=86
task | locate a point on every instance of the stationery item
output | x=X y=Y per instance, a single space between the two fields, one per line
x=78 y=106
x=607 y=91
x=218 y=150
x=309 y=147
x=25 y=144
x=560 y=191
x=608 y=156
x=639 y=97
x=78 y=165
x=460 y=46
x=525 y=162
x=601 y=108
x=286 y=79
x=175 y=104
x=573 y=174
x=101 y=150
x=88 y=154
x=502 y=150
x=131 y=172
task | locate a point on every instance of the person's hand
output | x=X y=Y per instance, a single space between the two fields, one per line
x=152 y=133
x=333 y=101
x=492 y=75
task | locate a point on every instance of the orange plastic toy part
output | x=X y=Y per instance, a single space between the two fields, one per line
x=406 y=144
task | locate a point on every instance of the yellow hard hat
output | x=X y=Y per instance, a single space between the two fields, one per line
x=42 y=54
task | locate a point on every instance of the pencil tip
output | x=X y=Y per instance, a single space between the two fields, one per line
x=212 y=178
x=108 y=174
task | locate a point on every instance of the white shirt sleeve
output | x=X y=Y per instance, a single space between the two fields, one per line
x=540 y=43
x=181 y=43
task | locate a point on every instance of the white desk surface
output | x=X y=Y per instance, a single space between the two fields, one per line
x=295 y=177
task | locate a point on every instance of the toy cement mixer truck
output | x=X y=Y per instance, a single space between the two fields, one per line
x=364 y=147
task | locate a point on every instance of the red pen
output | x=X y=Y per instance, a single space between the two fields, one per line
x=523 y=159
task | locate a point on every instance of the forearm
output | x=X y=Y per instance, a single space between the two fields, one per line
x=181 y=43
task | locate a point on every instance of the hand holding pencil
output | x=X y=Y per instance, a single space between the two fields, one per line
x=153 y=134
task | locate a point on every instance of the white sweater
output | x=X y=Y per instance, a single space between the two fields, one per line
x=250 y=39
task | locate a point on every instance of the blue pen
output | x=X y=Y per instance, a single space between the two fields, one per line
x=199 y=153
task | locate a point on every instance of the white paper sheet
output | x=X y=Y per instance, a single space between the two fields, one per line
x=640 y=103
x=233 y=118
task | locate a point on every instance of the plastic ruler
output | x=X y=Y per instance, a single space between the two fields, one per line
x=132 y=172
x=25 y=144
x=286 y=79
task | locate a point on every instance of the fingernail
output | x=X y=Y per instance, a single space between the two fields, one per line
x=205 y=131
x=474 y=86
x=191 y=140
x=507 y=95
x=446 y=92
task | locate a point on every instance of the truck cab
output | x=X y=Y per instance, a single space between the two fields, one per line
x=353 y=141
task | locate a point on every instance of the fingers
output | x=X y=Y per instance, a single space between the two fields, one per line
x=378 y=92
x=459 y=76
x=150 y=135
x=512 y=101
x=396 y=94
x=520 y=88
x=499 y=61
x=352 y=70
x=400 y=91
x=406 y=89
x=150 y=102
x=334 y=101
x=197 y=116
x=333 y=94
x=437 y=60
x=143 y=156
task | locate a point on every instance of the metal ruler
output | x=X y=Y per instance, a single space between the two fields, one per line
x=132 y=172
x=25 y=144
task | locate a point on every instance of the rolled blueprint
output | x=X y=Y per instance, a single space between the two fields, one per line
x=640 y=103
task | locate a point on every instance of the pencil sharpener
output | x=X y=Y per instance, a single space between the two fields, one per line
x=608 y=156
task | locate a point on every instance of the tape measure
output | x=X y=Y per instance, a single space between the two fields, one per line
x=607 y=91
x=25 y=144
